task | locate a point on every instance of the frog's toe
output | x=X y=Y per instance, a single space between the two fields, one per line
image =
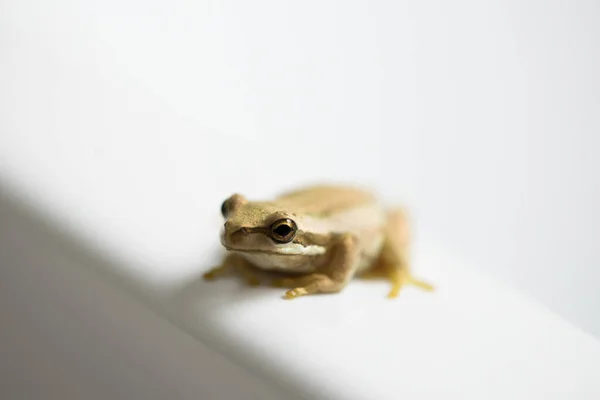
x=421 y=284
x=293 y=293
x=395 y=290
x=399 y=281
x=214 y=273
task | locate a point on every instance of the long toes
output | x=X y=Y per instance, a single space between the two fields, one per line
x=421 y=284
x=399 y=284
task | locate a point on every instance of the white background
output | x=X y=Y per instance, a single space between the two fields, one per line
x=128 y=122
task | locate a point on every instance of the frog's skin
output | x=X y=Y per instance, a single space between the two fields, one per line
x=320 y=237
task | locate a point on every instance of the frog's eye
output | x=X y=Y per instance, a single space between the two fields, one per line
x=232 y=204
x=224 y=209
x=283 y=231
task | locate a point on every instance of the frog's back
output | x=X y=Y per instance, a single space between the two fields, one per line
x=323 y=200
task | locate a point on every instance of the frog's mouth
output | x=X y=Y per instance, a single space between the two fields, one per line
x=294 y=249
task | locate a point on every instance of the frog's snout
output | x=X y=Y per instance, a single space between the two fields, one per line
x=231 y=235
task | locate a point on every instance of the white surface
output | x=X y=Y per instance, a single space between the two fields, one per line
x=129 y=122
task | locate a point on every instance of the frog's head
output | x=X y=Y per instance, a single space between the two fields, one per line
x=265 y=228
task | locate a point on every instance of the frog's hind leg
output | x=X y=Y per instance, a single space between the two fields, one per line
x=394 y=262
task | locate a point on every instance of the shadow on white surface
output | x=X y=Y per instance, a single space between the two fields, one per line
x=74 y=326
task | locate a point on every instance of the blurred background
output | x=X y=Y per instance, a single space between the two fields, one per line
x=128 y=122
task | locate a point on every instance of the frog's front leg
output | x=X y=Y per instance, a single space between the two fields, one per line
x=237 y=263
x=331 y=278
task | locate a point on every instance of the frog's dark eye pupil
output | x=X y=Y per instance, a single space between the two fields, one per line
x=224 y=209
x=283 y=230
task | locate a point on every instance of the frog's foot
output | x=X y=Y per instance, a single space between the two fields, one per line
x=297 y=292
x=215 y=273
x=400 y=279
x=310 y=284
x=296 y=284
x=245 y=272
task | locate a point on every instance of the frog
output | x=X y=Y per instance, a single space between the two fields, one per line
x=316 y=239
